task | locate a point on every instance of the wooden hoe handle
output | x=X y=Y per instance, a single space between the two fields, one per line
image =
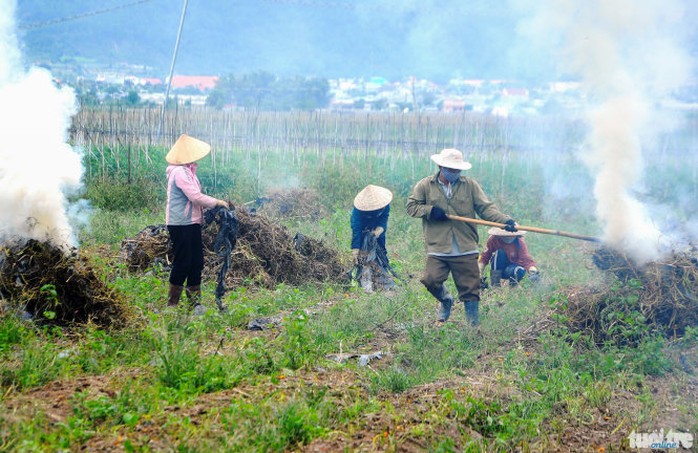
x=525 y=228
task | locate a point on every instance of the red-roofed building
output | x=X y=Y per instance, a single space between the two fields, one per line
x=202 y=83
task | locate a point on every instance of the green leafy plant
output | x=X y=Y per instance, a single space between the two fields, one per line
x=296 y=342
x=182 y=366
x=113 y=195
x=298 y=424
x=258 y=358
x=393 y=380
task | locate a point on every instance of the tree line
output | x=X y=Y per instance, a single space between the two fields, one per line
x=265 y=91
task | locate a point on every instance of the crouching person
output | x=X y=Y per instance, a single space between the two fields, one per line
x=509 y=257
x=369 y=223
x=370 y=214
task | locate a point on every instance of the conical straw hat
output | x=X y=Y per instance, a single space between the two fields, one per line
x=372 y=198
x=186 y=150
x=494 y=231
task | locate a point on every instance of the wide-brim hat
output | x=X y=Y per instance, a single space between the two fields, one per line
x=451 y=158
x=495 y=231
x=186 y=150
x=372 y=198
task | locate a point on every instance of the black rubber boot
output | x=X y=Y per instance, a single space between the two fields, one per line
x=445 y=304
x=445 y=308
x=174 y=295
x=472 y=315
x=194 y=295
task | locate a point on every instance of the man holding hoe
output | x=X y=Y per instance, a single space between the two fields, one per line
x=452 y=245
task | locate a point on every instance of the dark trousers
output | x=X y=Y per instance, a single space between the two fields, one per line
x=465 y=272
x=510 y=271
x=188 y=249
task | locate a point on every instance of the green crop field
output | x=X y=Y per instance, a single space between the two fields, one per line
x=529 y=379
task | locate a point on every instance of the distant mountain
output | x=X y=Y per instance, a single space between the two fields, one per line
x=292 y=37
x=433 y=39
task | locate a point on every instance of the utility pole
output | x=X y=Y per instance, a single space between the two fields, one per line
x=174 y=59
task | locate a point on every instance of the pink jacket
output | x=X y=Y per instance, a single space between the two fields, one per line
x=185 y=201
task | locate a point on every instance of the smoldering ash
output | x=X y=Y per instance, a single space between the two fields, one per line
x=628 y=57
x=37 y=166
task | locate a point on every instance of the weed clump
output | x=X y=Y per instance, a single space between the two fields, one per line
x=657 y=296
x=265 y=253
x=57 y=287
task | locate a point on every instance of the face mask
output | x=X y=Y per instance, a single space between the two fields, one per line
x=450 y=174
x=509 y=240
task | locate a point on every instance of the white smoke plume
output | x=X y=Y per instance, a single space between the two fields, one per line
x=37 y=167
x=629 y=57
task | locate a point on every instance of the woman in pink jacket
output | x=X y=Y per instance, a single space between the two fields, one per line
x=184 y=216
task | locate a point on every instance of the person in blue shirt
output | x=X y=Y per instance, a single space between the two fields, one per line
x=370 y=214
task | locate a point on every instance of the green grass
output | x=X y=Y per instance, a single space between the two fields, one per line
x=206 y=383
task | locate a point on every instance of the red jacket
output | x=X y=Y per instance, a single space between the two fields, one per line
x=517 y=251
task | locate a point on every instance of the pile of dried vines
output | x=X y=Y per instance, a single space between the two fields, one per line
x=56 y=287
x=265 y=253
x=662 y=296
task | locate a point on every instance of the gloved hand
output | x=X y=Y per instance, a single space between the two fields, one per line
x=377 y=231
x=483 y=283
x=355 y=255
x=510 y=225
x=533 y=274
x=437 y=214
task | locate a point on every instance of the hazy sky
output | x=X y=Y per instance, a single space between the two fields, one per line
x=435 y=39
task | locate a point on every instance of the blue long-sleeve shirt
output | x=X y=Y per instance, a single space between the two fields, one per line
x=368 y=220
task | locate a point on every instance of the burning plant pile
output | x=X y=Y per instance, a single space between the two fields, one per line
x=660 y=296
x=57 y=288
x=265 y=254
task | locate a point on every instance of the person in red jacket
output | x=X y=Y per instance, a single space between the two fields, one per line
x=509 y=256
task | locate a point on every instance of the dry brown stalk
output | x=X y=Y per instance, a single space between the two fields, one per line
x=265 y=254
x=58 y=287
